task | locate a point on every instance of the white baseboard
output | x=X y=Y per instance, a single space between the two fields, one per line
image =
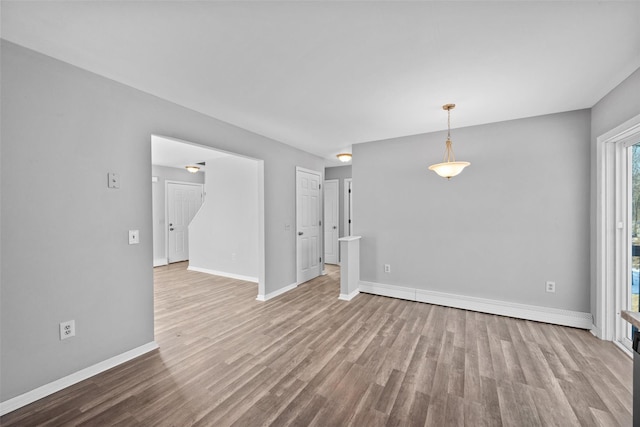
x=57 y=385
x=277 y=292
x=595 y=331
x=223 y=274
x=575 y=319
x=157 y=262
x=387 y=290
x=349 y=297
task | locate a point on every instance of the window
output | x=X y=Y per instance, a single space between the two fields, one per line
x=618 y=231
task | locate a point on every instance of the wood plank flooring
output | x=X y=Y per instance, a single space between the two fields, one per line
x=309 y=359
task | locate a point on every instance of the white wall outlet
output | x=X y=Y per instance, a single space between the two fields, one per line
x=387 y=268
x=113 y=180
x=134 y=237
x=67 y=329
x=550 y=286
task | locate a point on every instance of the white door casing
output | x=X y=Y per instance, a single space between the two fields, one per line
x=308 y=233
x=331 y=220
x=183 y=201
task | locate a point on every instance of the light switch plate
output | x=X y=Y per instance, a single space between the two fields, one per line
x=134 y=237
x=114 y=180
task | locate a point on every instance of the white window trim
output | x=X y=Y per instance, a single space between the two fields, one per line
x=611 y=211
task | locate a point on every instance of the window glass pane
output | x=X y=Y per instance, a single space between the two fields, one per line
x=635 y=230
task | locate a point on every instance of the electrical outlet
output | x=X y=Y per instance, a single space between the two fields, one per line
x=134 y=237
x=67 y=329
x=550 y=287
x=387 y=268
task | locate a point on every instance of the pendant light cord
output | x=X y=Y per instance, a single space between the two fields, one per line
x=448 y=154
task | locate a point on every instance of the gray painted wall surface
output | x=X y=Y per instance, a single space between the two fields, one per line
x=518 y=216
x=618 y=106
x=64 y=233
x=223 y=236
x=340 y=173
x=159 y=209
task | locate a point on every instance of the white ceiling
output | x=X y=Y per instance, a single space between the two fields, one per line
x=178 y=154
x=323 y=75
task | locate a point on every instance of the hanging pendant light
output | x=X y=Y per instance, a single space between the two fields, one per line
x=449 y=167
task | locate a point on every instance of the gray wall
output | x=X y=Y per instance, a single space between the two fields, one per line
x=64 y=234
x=517 y=217
x=223 y=236
x=618 y=106
x=340 y=173
x=159 y=209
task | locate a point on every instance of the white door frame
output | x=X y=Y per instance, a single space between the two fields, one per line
x=611 y=228
x=347 y=207
x=166 y=210
x=320 y=215
x=324 y=221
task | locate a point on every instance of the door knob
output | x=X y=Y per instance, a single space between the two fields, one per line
x=300 y=233
x=171 y=229
x=170 y=224
x=334 y=227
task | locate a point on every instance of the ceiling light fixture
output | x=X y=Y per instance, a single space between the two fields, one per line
x=192 y=169
x=344 y=157
x=449 y=167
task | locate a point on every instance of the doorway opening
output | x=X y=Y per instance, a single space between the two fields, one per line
x=348 y=222
x=331 y=220
x=225 y=235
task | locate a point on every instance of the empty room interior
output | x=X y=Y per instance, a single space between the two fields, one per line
x=421 y=213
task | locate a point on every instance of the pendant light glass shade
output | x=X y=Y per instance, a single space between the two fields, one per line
x=449 y=168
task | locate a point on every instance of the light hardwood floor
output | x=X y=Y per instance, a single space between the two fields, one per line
x=309 y=359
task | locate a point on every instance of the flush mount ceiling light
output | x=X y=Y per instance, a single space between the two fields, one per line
x=344 y=157
x=192 y=169
x=449 y=167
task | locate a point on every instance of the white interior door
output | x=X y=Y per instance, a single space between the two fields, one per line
x=331 y=219
x=183 y=201
x=308 y=204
